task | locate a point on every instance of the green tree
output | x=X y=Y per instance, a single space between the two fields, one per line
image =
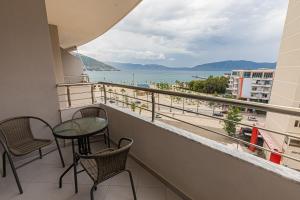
x=211 y=85
x=142 y=107
x=126 y=102
x=233 y=116
x=123 y=91
x=110 y=91
x=133 y=106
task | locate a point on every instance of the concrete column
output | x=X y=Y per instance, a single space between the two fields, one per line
x=58 y=65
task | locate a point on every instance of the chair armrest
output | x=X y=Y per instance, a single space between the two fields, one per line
x=95 y=155
x=4 y=144
x=123 y=139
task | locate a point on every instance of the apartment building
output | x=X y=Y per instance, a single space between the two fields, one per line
x=286 y=88
x=251 y=85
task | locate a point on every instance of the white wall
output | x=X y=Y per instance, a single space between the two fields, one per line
x=201 y=169
x=27 y=81
x=58 y=65
x=72 y=67
x=286 y=85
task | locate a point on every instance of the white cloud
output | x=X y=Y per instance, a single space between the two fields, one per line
x=190 y=32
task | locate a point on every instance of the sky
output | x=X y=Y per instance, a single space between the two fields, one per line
x=186 y=33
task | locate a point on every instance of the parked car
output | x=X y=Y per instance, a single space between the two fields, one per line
x=218 y=114
x=252 y=118
x=157 y=116
x=224 y=111
x=246 y=133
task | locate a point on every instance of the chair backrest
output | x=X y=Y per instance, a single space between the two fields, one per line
x=112 y=162
x=16 y=131
x=90 y=112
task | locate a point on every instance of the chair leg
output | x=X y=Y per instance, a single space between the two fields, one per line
x=132 y=184
x=4 y=163
x=15 y=173
x=60 y=154
x=89 y=145
x=108 y=139
x=40 y=152
x=94 y=188
x=104 y=135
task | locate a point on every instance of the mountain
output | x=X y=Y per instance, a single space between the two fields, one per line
x=131 y=66
x=92 y=64
x=228 y=65
x=232 y=65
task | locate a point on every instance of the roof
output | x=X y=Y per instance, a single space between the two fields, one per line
x=80 y=21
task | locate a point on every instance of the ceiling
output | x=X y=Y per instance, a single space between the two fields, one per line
x=80 y=21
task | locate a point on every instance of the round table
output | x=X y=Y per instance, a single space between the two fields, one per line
x=79 y=129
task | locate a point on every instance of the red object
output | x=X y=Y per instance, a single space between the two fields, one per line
x=254 y=138
x=275 y=158
x=241 y=87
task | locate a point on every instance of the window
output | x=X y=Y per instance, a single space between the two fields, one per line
x=268 y=75
x=247 y=74
x=257 y=75
x=295 y=143
x=296 y=123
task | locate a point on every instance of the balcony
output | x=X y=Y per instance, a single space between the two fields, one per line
x=180 y=150
x=167 y=162
x=185 y=160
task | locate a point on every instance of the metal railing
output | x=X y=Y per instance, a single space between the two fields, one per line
x=93 y=97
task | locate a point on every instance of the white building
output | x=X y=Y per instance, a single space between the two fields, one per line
x=286 y=87
x=251 y=85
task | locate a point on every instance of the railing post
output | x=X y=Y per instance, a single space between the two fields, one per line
x=153 y=106
x=69 y=96
x=92 y=94
x=104 y=92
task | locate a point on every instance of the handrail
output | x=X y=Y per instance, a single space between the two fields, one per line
x=254 y=105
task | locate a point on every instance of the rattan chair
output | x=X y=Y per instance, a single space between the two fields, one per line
x=107 y=164
x=17 y=140
x=94 y=111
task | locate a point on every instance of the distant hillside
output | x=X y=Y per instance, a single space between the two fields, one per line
x=131 y=66
x=215 y=66
x=231 y=65
x=95 y=65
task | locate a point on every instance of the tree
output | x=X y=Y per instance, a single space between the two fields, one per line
x=123 y=91
x=110 y=91
x=211 y=85
x=133 y=106
x=147 y=93
x=232 y=118
x=126 y=101
x=171 y=104
x=142 y=107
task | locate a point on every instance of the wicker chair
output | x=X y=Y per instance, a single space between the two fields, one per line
x=17 y=140
x=107 y=164
x=94 y=112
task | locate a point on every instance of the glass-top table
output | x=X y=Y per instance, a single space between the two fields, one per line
x=79 y=129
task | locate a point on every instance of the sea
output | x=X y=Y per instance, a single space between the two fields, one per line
x=150 y=76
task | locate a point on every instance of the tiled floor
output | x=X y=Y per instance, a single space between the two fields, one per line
x=39 y=180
